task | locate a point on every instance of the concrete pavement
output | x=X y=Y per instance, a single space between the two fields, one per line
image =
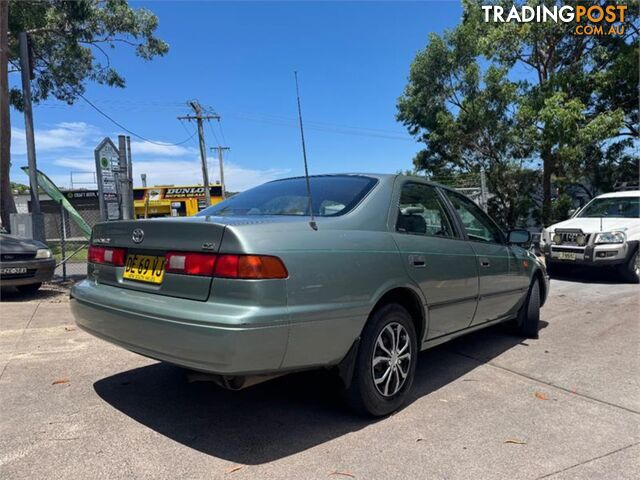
x=487 y=406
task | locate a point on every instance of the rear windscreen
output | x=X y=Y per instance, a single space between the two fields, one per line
x=332 y=196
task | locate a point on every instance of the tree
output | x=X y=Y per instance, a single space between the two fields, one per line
x=19 y=188
x=576 y=97
x=7 y=205
x=70 y=43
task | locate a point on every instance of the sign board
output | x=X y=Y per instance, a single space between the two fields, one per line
x=183 y=192
x=74 y=194
x=107 y=154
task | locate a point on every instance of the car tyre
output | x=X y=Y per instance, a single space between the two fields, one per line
x=528 y=321
x=387 y=338
x=31 y=288
x=631 y=270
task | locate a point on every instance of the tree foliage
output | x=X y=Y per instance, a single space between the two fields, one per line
x=510 y=96
x=70 y=45
x=71 y=41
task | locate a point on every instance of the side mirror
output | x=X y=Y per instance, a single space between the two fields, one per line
x=519 y=237
x=572 y=212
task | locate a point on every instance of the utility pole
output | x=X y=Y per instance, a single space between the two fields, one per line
x=7 y=203
x=199 y=117
x=126 y=196
x=132 y=210
x=37 y=221
x=220 y=150
x=143 y=176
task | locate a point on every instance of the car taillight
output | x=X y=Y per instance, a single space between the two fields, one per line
x=189 y=263
x=250 y=267
x=107 y=255
x=226 y=266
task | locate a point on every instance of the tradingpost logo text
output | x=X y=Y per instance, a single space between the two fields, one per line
x=589 y=19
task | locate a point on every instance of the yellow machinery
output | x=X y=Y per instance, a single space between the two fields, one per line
x=173 y=201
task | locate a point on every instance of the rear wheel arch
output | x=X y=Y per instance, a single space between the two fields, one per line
x=411 y=301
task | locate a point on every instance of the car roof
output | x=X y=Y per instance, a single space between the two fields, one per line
x=626 y=193
x=379 y=176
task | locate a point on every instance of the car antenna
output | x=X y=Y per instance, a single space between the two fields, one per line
x=312 y=222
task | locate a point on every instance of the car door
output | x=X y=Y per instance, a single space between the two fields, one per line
x=498 y=293
x=436 y=257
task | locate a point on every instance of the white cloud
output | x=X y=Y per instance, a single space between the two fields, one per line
x=183 y=172
x=82 y=126
x=65 y=135
x=69 y=147
x=76 y=163
x=148 y=148
x=240 y=178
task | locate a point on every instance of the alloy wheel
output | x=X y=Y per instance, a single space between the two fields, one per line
x=391 y=359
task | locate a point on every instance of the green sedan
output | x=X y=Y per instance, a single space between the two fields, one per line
x=256 y=286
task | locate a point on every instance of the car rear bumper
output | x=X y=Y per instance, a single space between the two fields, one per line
x=38 y=271
x=206 y=336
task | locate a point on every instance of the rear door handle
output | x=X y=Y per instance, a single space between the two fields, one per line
x=417 y=261
x=484 y=262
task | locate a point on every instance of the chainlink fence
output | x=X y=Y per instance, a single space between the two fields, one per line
x=68 y=243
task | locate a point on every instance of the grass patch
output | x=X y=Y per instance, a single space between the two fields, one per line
x=79 y=257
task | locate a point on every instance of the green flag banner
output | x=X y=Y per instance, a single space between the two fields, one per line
x=48 y=186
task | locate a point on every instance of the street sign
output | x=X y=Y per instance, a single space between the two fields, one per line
x=107 y=154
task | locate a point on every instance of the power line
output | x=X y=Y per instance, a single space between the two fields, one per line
x=317 y=126
x=213 y=131
x=115 y=122
x=224 y=140
x=269 y=119
x=287 y=120
x=182 y=123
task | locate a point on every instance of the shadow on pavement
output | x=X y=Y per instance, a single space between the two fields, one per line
x=280 y=417
x=48 y=291
x=581 y=274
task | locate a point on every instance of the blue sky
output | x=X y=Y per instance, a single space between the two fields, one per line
x=353 y=60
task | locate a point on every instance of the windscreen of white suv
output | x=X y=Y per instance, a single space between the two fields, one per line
x=614 y=207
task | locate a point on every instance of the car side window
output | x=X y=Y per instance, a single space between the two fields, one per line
x=477 y=224
x=422 y=212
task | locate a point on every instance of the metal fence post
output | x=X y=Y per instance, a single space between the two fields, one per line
x=63 y=237
x=483 y=189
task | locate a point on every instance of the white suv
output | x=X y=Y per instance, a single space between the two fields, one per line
x=605 y=232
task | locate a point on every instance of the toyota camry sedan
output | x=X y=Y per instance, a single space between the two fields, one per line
x=357 y=273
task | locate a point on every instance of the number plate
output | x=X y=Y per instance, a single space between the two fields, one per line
x=566 y=255
x=144 y=268
x=13 y=270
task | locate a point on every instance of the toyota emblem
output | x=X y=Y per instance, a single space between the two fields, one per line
x=138 y=235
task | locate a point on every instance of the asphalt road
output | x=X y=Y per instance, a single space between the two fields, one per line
x=486 y=406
